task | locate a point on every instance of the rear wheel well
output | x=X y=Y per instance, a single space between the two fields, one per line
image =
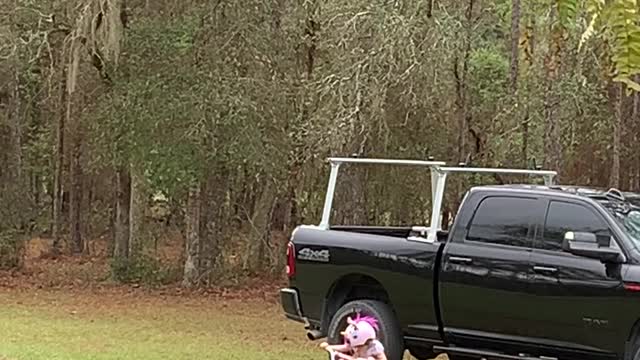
x=352 y=287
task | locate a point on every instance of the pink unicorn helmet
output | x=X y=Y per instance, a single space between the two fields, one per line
x=360 y=330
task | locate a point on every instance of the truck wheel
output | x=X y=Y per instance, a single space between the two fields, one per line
x=389 y=334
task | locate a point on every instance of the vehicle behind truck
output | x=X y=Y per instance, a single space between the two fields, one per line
x=525 y=272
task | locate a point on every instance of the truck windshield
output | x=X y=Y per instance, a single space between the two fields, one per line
x=628 y=216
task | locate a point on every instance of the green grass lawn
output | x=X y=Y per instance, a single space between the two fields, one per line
x=59 y=325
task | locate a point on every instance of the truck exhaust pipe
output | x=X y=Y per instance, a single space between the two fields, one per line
x=314 y=335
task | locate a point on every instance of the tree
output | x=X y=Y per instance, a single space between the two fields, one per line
x=619 y=20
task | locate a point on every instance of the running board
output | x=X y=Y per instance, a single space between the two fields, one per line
x=481 y=354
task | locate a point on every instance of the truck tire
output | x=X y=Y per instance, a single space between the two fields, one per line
x=390 y=334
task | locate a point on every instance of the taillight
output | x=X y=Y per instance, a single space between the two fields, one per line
x=291 y=260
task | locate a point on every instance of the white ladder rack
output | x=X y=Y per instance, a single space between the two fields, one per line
x=439 y=174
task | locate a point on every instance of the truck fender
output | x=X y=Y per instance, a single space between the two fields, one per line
x=350 y=287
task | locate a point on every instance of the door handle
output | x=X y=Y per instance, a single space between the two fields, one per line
x=457 y=259
x=545 y=269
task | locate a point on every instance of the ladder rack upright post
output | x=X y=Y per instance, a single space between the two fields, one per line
x=441 y=175
x=336 y=162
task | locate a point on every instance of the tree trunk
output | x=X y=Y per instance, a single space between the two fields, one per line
x=213 y=213
x=461 y=85
x=530 y=60
x=463 y=125
x=552 y=138
x=515 y=39
x=123 y=203
x=5 y=142
x=259 y=223
x=297 y=156
x=515 y=57
x=16 y=184
x=88 y=229
x=136 y=211
x=463 y=113
x=616 y=99
x=76 y=180
x=290 y=207
x=207 y=230
x=16 y=134
x=59 y=163
x=635 y=118
x=191 y=274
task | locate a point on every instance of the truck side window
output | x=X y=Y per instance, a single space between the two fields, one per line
x=502 y=220
x=563 y=217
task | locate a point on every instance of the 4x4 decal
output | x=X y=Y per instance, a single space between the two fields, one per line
x=313 y=255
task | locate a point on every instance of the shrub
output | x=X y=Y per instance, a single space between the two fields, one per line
x=11 y=249
x=142 y=269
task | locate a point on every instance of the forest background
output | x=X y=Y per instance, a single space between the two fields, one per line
x=180 y=142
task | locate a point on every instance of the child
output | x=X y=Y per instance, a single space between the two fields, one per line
x=360 y=341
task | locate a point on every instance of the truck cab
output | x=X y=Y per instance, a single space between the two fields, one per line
x=552 y=271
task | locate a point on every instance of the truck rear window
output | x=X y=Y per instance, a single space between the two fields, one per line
x=502 y=220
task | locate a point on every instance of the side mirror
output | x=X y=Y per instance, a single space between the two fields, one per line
x=589 y=245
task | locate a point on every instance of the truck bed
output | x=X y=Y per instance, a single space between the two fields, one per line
x=329 y=258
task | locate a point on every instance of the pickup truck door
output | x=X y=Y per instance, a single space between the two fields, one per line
x=486 y=270
x=581 y=300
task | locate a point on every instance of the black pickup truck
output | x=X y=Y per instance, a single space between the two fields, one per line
x=524 y=272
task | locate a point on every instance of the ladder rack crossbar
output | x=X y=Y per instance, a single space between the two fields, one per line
x=338 y=160
x=499 y=171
